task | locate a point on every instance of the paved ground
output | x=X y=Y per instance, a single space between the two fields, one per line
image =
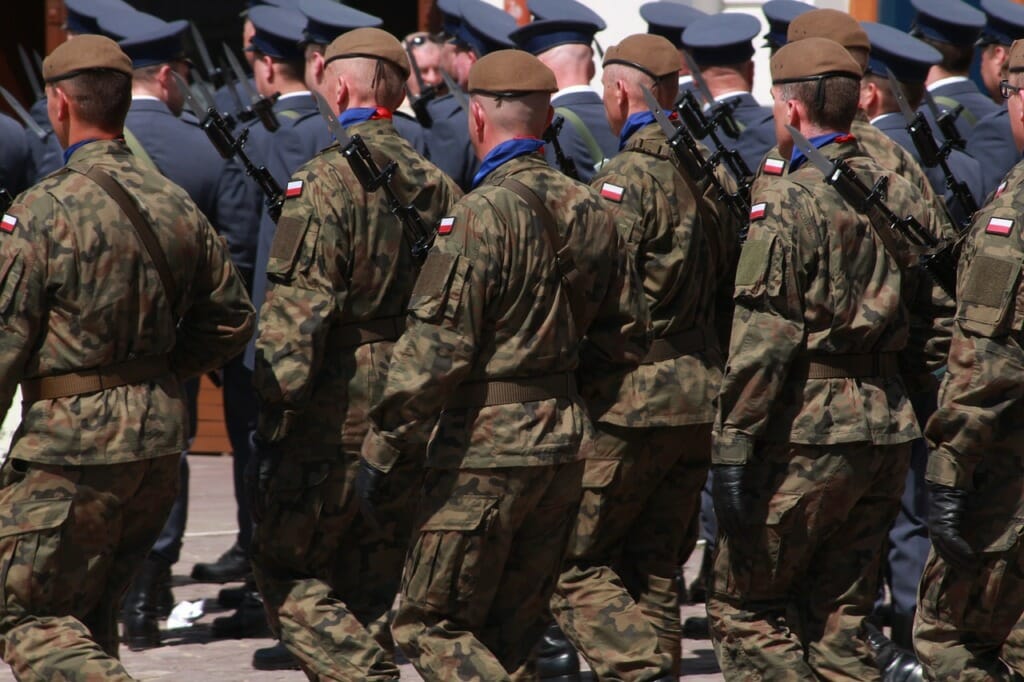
x=194 y=654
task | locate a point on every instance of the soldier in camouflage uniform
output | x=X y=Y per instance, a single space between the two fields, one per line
x=340 y=275
x=526 y=265
x=970 y=613
x=617 y=598
x=812 y=438
x=100 y=330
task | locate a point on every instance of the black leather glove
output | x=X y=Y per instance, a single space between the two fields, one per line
x=369 y=483
x=945 y=514
x=731 y=507
x=263 y=461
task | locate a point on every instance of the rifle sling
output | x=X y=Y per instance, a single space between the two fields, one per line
x=596 y=155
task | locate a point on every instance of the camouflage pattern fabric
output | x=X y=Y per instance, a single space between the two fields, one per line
x=339 y=259
x=482 y=568
x=78 y=291
x=814 y=281
x=617 y=598
x=969 y=626
x=490 y=304
x=789 y=595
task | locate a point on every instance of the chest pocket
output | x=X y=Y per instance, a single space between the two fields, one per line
x=989 y=301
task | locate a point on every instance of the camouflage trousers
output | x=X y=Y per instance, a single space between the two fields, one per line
x=71 y=538
x=970 y=626
x=482 y=568
x=328 y=578
x=789 y=596
x=617 y=598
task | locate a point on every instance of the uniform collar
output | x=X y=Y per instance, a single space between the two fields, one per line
x=505 y=152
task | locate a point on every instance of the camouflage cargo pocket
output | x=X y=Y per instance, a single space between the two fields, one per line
x=988 y=607
x=781 y=536
x=295 y=500
x=445 y=563
x=30 y=542
x=599 y=473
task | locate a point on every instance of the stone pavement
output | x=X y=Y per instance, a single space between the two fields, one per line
x=194 y=654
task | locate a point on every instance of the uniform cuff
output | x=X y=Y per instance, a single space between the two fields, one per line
x=378 y=453
x=946 y=468
x=731 y=447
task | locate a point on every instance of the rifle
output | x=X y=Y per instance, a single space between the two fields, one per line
x=261 y=107
x=946 y=121
x=567 y=165
x=937 y=257
x=5 y=200
x=25 y=117
x=721 y=112
x=228 y=146
x=684 y=146
x=428 y=93
x=931 y=153
x=372 y=178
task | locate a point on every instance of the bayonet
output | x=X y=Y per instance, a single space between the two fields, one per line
x=25 y=117
x=262 y=107
x=721 y=112
x=938 y=257
x=38 y=60
x=241 y=112
x=213 y=74
x=5 y=200
x=427 y=93
x=458 y=93
x=333 y=124
x=30 y=73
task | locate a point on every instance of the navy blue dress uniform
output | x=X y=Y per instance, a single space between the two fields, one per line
x=725 y=40
x=15 y=162
x=954 y=23
x=909 y=59
x=779 y=14
x=586 y=137
x=669 y=20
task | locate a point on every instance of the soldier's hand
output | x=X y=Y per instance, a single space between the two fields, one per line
x=259 y=470
x=369 y=481
x=945 y=514
x=727 y=491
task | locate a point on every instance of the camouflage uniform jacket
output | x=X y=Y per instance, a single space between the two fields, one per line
x=490 y=305
x=931 y=330
x=79 y=291
x=980 y=408
x=674 y=245
x=339 y=259
x=813 y=281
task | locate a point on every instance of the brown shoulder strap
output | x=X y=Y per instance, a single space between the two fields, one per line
x=563 y=259
x=142 y=229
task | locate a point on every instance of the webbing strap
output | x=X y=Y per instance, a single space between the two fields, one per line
x=951 y=104
x=136 y=148
x=371 y=331
x=132 y=371
x=850 y=366
x=488 y=393
x=596 y=155
x=675 y=346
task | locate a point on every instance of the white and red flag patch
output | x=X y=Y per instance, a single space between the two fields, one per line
x=1001 y=188
x=8 y=222
x=294 y=189
x=757 y=211
x=446 y=225
x=612 y=192
x=1000 y=226
x=774 y=166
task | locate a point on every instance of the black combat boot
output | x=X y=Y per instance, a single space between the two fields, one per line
x=275 y=657
x=895 y=664
x=146 y=602
x=249 y=620
x=231 y=566
x=557 y=660
x=231 y=597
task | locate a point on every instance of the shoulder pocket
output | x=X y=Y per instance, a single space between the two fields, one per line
x=989 y=290
x=753 y=272
x=438 y=289
x=10 y=276
x=284 y=250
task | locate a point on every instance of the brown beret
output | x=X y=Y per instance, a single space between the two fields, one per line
x=812 y=59
x=85 y=53
x=510 y=72
x=369 y=43
x=654 y=55
x=1015 y=62
x=831 y=24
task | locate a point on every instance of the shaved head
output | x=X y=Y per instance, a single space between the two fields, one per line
x=369 y=81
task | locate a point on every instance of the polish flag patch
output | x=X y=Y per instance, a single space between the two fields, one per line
x=7 y=223
x=446 y=225
x=612 y=192
x=774 y=166
x=294 y=189
x=1001 y=189
x=1000 y=226
x=757 y=211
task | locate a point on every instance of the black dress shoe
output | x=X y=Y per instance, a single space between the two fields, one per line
x=275 y=657
x=249 y=620
x=557 y=660
x=232 y=566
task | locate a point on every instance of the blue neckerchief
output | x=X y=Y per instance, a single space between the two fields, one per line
x=71 y=150
x=797 y=158
x=351 y=117
x=504 y=152
x=634 y=123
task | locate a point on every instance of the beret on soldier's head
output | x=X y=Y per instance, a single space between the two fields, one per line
x=1015 y=62
x=831 y=24
x=654 y=55
x=369 y=43
x=510 y=72
x=812 y=59
x=85 y=53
